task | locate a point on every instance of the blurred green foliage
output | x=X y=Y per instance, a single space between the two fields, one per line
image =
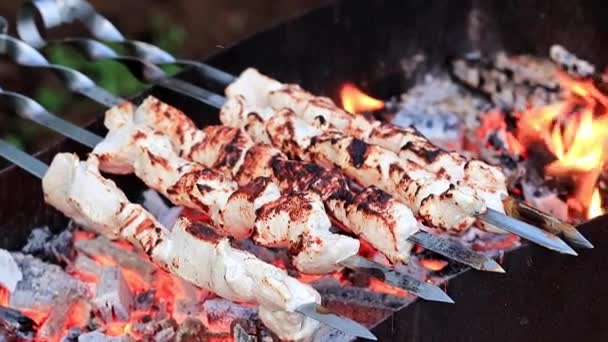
x=110 y=75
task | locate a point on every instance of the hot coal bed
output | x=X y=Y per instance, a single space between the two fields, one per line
x=387 y=48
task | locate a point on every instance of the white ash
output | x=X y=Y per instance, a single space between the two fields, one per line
x=440 y=110
x=327 y=333
x=570 y=62
x=96 y=336
x=113 y=298
x=10 y=274
x=43 y=284
x=155 y=204
x=218 y=314
x=240 y=335
x=57 y=248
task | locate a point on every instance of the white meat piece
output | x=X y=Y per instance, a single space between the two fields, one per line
x=254 y=87
x=299 y=221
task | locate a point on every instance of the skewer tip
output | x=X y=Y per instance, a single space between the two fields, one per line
x=492 y=266
x=343 y=324
x=436 y=294
x=526 y=231
x=575 y=237
x=565 y=249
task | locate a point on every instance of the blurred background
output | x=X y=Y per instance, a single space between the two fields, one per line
x=189 y=28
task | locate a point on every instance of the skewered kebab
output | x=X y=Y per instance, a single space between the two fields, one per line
x=263 y=90
x=370 y=164
x=77 y=189
x=370 y=213
x=121 y=160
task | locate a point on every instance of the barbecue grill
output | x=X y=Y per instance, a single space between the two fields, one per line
x=544 y=295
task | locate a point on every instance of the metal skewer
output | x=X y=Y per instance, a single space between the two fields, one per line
x=54 y=14
x=31 y=110
x=314 y=311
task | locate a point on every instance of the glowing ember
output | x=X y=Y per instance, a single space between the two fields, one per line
x=379 y=286
x=4 y=296
x=356 y=101
x=165 y=290
x=434 y=265
x=37 y=315
x=575 y=131
x=117 y=328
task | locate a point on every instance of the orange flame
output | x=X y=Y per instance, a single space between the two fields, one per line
x=356 y=101
x=595 y=207
x=575 y=130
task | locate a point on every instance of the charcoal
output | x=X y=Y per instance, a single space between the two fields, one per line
x=510 y=82
x=127 y=259
x=96 y=336
x=218 y=314
x=85 y=265
x=165 y=335
x=16 y=326
x=570 y=63
x=240 y=335
x=57 y=319
x=191 y=330
x=144 y=300
x=152 y=327
x=72 y=335
x=44 y=244
x=113 y=298
x=43 y=284
x=10 y=274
